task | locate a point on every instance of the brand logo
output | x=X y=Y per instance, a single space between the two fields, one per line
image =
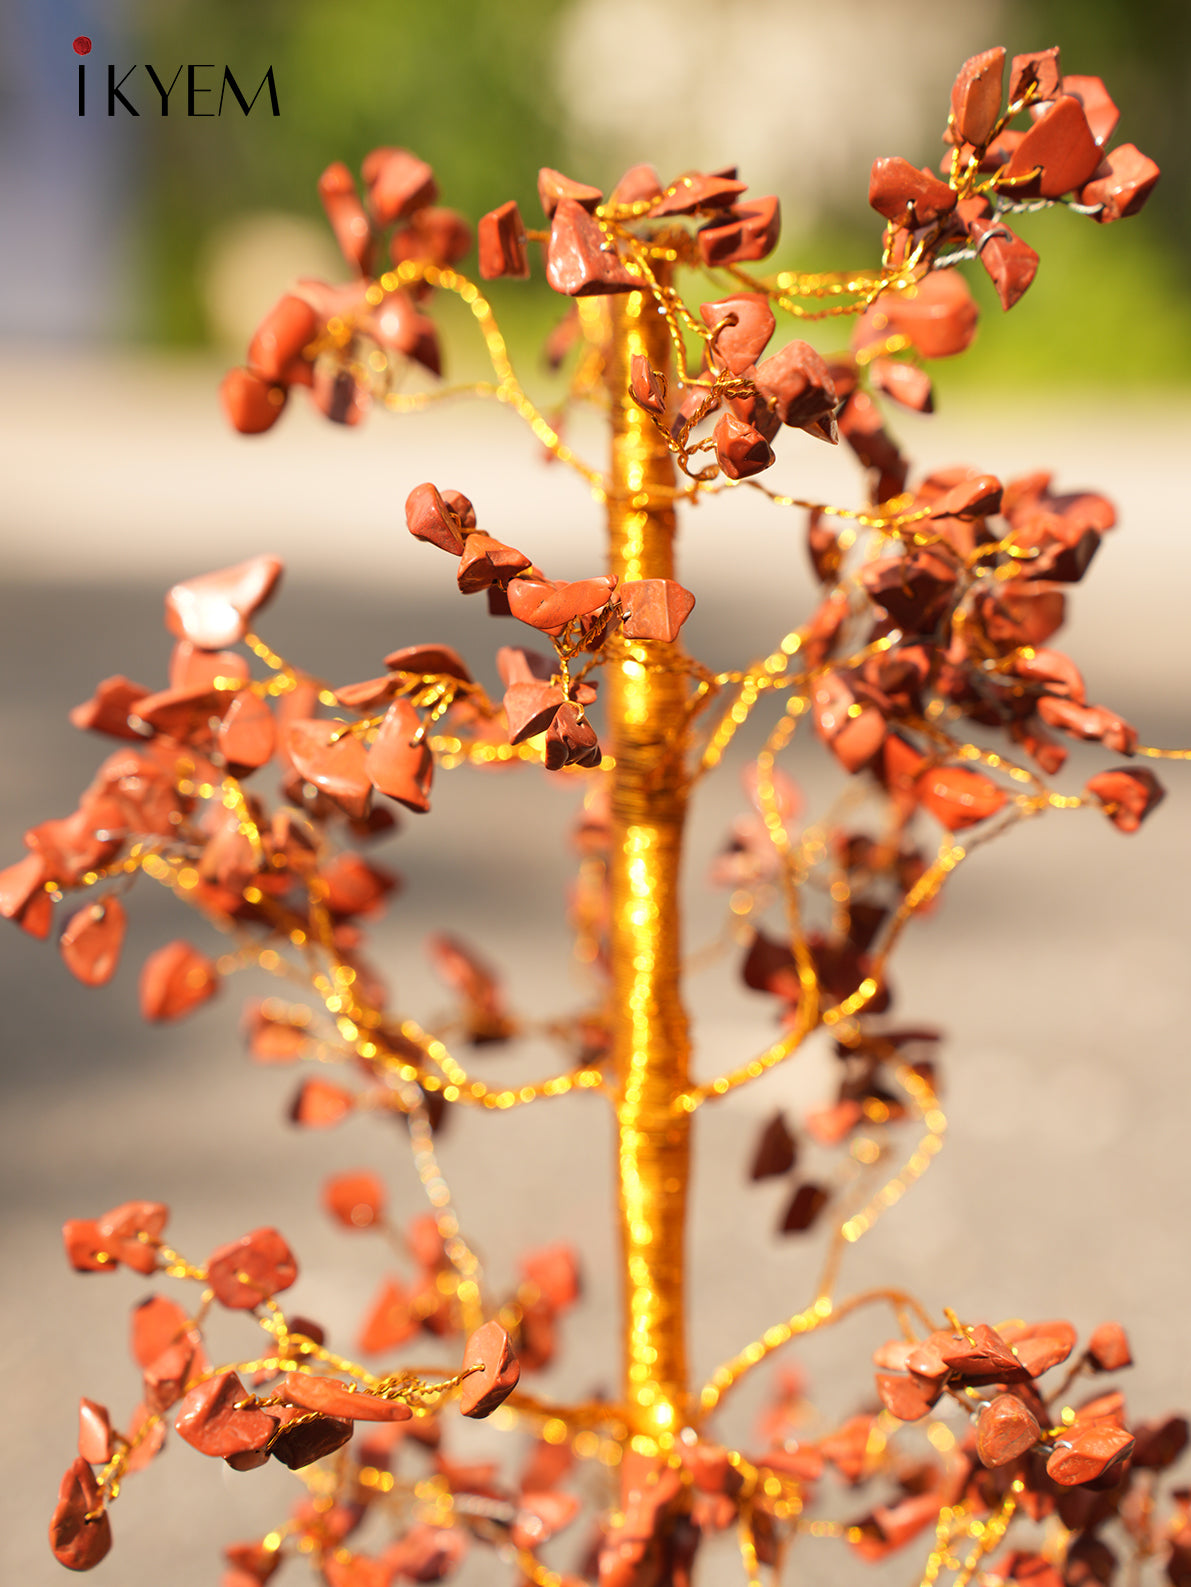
x=120 y=89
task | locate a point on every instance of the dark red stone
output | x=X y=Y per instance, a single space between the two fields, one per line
x=500 y=237
x=250 y=1270
x=906 y=195
x=488 y=1348
x=79 y=1543
x=976 y=96
x=1061 y=144
x=1121 y=184
x=174 y=980
x=396 y=764
x=581 y=259
x=398 y=183
x=746 y=322
x=215 y=609
x=749 y=231
x=215 y=1420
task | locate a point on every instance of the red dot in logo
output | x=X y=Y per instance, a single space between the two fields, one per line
x=82 y=45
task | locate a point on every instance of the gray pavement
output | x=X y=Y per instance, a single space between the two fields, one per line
x=1057 y=965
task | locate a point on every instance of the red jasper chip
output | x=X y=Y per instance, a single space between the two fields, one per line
x=389 y=1322
x=581 y=259
x=908 y=196
x=252 y=405
x=695 y=190
x=500 y=237
x=1121 y=184
x=332 y=758
x=319 y=1104
x=427 y=1553
x=740 y=450
x=541 y=1515
x=351 y=226
x=430 y=517
x=553 y=187
x=216 y=1421
x=907 y=1398
x=280 y=337
x=647 y=386
x=490 y=1350
x=914 y=589
x=174 y=980
x=401 y=327
x=431 y=661
x=976 y=96
x=23 y=897
x=530 y=709
x=1088 y=1452
x=749 y=231
x=355 y=1200
x=1040 y=1346
x=798 y=383
x=1089 y=722
x=353 y=887
x=554 y=1272
x=158 y=1324
x=1054 y=671
x=1159 y=1444
x=1061 y=145
x=550 y=605
x=398 y=183
x=975 y=496
x=166 y=1378
x=1011 y=263
x=905 y=383
x=247 y=734
x=655 y=608
x=249 y=1270
x=938 y=315
x=958 y=797
x=330 y=1397
x=1097 y=103
x=980 y=1355
x=336 y=392
x=398 y=762
x=570 y=741
x=1005 y=1429
x=304 y=1438
x=96 y=1441
x=355 y=1570
x=91 y=940
x=252 y=1564
x=1038 y=70
x=215 y=609
x=121 y=1230
x=851 y=727
x=804 y=1208
x=86 y=1250
x=640 y=184
x=434 y=236
x=1108 y=1348
x=108 y=709
x=746 y=323
x=273 y=1038
x=486 y=561
x=776 y=1151
x=80 y=1532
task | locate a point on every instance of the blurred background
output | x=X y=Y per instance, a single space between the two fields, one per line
x=136 y=257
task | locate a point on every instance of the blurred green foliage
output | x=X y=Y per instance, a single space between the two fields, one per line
x=469 y=86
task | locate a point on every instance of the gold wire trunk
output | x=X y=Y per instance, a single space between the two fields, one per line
x=647 y=706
